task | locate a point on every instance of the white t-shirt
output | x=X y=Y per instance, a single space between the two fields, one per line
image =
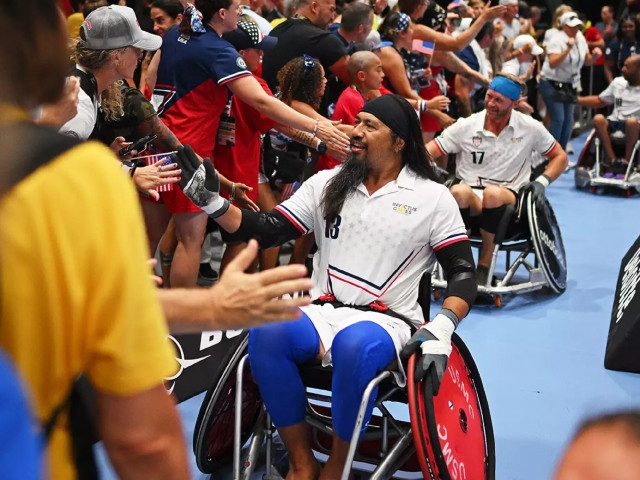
x=511 y=30
x=484 y=159
x=624 y=98
x=569 y=69
x=381 y=244
x=515 y=67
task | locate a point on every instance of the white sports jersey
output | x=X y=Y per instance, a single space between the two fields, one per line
x=484 y=159
x=380 y=244
x=624 y=98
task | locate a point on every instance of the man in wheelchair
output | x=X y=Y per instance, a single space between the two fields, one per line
x=380 y=221
x=493 y=160
x=624 y=94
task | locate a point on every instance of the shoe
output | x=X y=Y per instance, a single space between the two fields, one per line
x=482 y=275
x=570 y=166
x=570 y=148
x=207 y=275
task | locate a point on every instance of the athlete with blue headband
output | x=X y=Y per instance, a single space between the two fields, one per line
x=493 y=150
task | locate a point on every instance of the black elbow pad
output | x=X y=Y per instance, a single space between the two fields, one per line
x=270 y=229
x=460 y=271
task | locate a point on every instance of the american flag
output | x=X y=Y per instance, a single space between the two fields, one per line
x=423 y=46
x=152 y=159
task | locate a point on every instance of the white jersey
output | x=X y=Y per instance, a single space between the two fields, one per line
x=380 y=244
x=624 y=98
x=516 y=67
x=485 y=159
x=511 y=30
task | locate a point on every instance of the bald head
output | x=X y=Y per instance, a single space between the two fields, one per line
x=631 y=70
x=363 y=61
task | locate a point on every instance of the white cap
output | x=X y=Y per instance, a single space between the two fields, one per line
x=570 y=19
x=522 y=40
x=107 y=28
x=508 y=2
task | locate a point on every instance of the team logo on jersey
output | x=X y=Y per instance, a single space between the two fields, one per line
x=241 y=63
x=184 y=38
x=477 y=141
x=403 y=209
x=516 y=139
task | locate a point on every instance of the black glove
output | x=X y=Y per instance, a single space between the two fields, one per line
x=538 y=187
x=200 y=182
x=434 y=339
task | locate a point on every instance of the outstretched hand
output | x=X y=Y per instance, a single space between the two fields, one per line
x=249 y=299
x=200 y=182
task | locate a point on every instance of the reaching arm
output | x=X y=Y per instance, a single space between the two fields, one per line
x=249 y=90
x=449 y=43
x=436 y=155
x=592 y=101
x=239 y=299
x=453 y=63
x=142 y=435
x=558 y=161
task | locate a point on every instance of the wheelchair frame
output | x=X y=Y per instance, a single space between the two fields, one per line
x=591 y=177
x=523 y=242
x=397 y=444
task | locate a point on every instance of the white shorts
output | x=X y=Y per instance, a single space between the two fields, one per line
x=328 y=321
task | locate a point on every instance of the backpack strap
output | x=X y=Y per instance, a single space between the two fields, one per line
x=88 y=82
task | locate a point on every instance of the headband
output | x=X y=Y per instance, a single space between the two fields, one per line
x=506 y=87
x=403 y=22
x=391 y=111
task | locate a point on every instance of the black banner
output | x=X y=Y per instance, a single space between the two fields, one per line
x=198 y=357
x=623 y=352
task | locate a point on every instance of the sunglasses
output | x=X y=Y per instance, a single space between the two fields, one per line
x=308 y=62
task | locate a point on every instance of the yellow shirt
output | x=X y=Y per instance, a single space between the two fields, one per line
x=75 y=288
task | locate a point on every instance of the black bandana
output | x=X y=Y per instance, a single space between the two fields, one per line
x=394 y=111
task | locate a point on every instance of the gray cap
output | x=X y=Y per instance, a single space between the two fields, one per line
x=111 y=27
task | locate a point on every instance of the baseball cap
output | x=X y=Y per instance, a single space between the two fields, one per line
x=249 y=35
x=522 y=40
x=111 y=27
x=570 y=19
x=508 y=2
x=373 y=41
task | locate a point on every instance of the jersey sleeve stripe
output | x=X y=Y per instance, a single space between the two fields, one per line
x=440 y=147
x=550 y=148
x=228 y=78
x=461 y=237
x=293 y=219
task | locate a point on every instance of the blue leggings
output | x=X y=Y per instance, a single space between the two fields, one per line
x=359 y=352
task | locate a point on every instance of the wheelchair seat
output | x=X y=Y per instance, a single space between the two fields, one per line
x=530 y=229
x=594 y=173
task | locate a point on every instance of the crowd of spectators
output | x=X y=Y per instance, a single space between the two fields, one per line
x=248 y=84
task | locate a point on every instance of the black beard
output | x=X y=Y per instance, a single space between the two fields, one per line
x=352 y=174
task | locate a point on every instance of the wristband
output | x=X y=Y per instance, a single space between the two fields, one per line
x=447 y=312
x=422 y=105
x=544 y=180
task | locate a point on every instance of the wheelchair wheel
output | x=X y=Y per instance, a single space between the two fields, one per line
x=452 y=431
x=213 y=434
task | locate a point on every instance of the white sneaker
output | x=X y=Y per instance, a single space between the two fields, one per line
x=570 y=148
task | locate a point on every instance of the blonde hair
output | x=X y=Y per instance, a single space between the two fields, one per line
x=559 y=11
x=94 y=60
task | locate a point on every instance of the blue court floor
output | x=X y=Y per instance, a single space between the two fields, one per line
x=540 y=355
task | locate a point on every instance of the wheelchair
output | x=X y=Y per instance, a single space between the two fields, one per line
x=591 y=172
x=448 y=436
x=527 y=228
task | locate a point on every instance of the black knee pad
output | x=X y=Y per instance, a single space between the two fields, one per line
x=491 y=218
x=465 y=213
